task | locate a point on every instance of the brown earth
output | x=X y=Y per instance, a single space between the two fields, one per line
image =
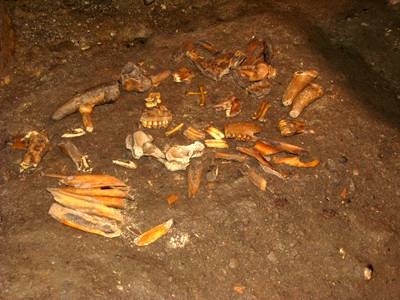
x=281 y=244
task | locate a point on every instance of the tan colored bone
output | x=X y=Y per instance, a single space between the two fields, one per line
x=195 y=172
x=257 y=179
x=133 y=79
x=230 y=156
x=116 y=202
x=183 y=75
x=128 y=164
x=178 y=157
x=221 y=144
x=102 y=94
x=262 y=111
x=85 y=222
x=153 y=234
x=90 y=181
x=174 y=130
x=299 y=81
x=215 y=133
x=272 y=147
x=291 y=127
x=310 y=93
x=231 y=105
x=108 y=192
x=153 y=99
x=194 y=134
x=201 y=93
x=156 y=79
x=85 y=111
x=38 y=144
x=242 y=131
x=80 y=160
x=92 y=208
x=255 y=154
x=295 y=162
x=258 y=72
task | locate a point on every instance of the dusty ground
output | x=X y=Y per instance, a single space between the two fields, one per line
x=281 y=244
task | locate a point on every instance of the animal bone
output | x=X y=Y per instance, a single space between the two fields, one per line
x=125 y=163
x=230 y=156
x=201 y=93
x=194 y=174
x=116 y=202
x=255 y=154
x=76 y=132
x=194 y=134
x=242 y=131
x=85 y=222
x=80 y=160
x=85 y=111
x=299 y=81
x=257 y=72
x=295 y=162
x=256 y=179
x=152 y=100
x=257 y=51
x=214 y=143
x=215 y=133
x=96 y=192
x=231 y=105
x=157 y=117
x=156 y=79
x=153 y=234
x=178 y=157
x=259 y=89
x=140 y=143
x=90 y=181
x=102 y=94
x=262 y=111
x=307 y=96
x=174 y=130
x=38 y=144
x=183 y=75
x=212 y=173
x=133 y=79
x=291 y=127
x=171 y=199
x=273 y=147
x=92 y=208
x=216 y=66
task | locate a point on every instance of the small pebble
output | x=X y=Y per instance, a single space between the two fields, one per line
x=368 y=270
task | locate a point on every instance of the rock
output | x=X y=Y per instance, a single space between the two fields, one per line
x=134 y=32
x=272 y=257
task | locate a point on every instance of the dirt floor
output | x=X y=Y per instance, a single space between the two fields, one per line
x=297 y=240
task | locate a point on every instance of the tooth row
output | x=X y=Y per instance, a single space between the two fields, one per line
x=155 y=124
x=241 y=137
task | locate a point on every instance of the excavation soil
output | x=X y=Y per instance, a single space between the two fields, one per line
x=298 y=240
